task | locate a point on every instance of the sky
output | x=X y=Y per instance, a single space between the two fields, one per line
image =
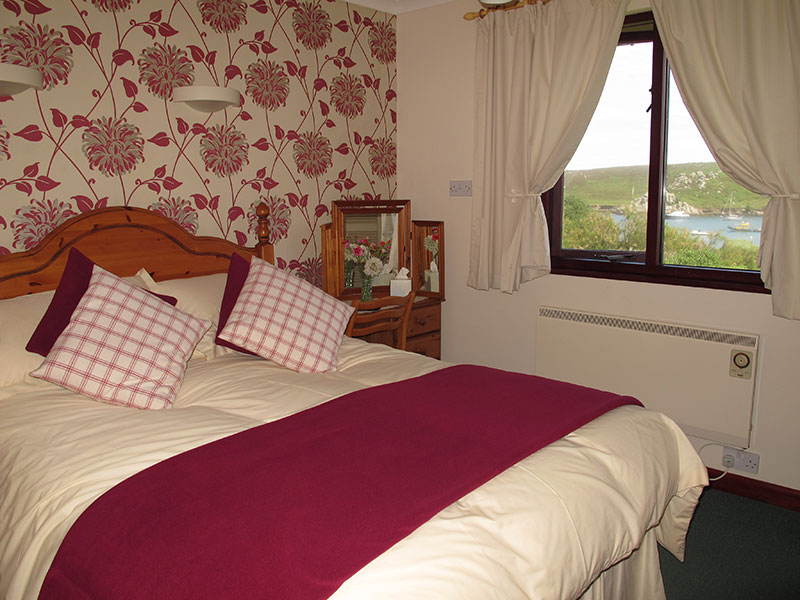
x=620 y=129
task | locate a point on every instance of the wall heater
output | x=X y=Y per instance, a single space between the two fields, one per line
x=704 y=379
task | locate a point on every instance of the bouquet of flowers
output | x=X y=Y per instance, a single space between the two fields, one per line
x=369 y=257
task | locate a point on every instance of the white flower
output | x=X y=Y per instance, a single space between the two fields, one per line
x=373 y=267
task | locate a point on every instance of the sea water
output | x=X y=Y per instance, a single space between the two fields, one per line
x=700 y=226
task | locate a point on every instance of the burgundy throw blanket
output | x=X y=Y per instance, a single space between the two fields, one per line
x=293 y=508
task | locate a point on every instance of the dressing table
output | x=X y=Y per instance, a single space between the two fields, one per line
x=416 y=245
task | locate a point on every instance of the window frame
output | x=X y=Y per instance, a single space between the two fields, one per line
x=644 y=266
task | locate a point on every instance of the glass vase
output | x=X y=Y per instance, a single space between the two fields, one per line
x=349 y=273
x=366 y=287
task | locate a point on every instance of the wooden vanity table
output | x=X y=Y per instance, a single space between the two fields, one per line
x=419 y=248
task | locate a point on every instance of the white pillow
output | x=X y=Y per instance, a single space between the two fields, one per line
x=19 y=318
x=287 y=320
x=200 y=297
x=123 y=346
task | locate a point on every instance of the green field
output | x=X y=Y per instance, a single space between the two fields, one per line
x=701 y=185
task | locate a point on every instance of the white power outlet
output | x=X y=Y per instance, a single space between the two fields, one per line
x=461 y=188
x=742 y=461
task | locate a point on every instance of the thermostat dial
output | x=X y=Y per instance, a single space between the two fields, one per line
x=741 y=364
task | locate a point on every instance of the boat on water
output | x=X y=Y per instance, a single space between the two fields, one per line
x=699 y=232
x=744 y=226
x=677 y=214
x=730 y=215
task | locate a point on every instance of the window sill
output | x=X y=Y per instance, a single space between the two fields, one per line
x=721 y=279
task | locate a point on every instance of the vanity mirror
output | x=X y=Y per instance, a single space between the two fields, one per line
x=384 y=224
x=428 y=258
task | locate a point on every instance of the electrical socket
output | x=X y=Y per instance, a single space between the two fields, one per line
x=461 y=188
x=742 y=461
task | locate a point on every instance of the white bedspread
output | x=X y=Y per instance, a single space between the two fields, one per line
x=546 y=528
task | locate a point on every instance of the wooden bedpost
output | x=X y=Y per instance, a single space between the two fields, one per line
x=264 y=249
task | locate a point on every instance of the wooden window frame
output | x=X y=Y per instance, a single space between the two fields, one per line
x=642 y=266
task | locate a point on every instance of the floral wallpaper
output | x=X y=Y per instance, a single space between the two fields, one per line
x=316 y=122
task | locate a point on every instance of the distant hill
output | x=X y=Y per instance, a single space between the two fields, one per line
x=702 y=185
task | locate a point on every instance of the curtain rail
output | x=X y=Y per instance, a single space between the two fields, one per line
x=471 y=16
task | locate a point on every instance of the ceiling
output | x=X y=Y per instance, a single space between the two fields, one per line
x=396 y=7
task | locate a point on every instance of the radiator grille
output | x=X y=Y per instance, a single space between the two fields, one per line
x=683 y=371
x=708 y=335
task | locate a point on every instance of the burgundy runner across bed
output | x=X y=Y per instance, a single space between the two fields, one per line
x=293 y=508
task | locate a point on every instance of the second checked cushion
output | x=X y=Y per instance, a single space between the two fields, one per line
x=287 y=320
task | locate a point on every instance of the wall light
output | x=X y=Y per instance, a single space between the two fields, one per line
x=206 y=98
x=15 y=79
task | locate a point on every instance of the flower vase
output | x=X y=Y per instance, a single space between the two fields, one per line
x=366 y=287
x=349 y=273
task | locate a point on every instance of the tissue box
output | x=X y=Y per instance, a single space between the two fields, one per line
x=400 y=287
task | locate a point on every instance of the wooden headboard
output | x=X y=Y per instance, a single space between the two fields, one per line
x=123 y=240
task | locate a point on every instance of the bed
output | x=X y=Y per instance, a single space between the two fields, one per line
x=579 y=518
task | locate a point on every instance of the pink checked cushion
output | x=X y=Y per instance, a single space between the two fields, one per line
x=71 y=287
x=123 y=346
x=287 y=320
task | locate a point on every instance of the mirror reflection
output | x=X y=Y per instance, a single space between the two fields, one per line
x=428 y=258
x=366 y=245
x=370 y=236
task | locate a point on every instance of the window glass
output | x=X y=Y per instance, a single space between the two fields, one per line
x=710 y=220
x=643 y=198
x=605 y=183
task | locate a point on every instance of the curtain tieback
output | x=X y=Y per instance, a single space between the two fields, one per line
x=787 y=196
x=515 y=195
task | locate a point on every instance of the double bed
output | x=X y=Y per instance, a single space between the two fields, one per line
x=579 y=518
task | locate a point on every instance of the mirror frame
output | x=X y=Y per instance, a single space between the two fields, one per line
x=333 y=272
x=422 y=257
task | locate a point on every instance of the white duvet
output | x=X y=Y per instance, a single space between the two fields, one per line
x=545 y=528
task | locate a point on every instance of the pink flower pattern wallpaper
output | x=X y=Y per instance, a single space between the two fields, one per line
x=316 y=122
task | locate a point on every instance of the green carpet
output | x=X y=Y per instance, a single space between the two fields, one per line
x=736 y=548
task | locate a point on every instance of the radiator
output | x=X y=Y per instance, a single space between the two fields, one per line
x=704 y=379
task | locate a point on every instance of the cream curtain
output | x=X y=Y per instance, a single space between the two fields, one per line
x=737 y=66
x=540 y=71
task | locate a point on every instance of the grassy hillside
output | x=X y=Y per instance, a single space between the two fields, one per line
x=701 y=185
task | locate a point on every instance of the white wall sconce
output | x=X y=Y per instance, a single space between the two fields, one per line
x=206 y=98
x=15 y=79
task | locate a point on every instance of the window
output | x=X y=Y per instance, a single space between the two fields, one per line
x=643 y=198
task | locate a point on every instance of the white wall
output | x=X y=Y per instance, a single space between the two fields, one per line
x=435 y=139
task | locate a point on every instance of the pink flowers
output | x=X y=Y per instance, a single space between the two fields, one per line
x=223 y=16
x=38 y=46
x=224 y=150
x=112 y=5
x=383 y=42
x=36 y=220
x=4 y=136
x=113 y=146
x=180 y=211
x=163 y=68
x=267 y=84
x=383 y=158
x=348 y=95
x=310 y=270
x=312 y=154
x=312 y=25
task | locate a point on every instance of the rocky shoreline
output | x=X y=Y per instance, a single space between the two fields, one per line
x=673 y=204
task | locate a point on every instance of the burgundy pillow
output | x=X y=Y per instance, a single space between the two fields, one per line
x=73 y=285
x=237 y=273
